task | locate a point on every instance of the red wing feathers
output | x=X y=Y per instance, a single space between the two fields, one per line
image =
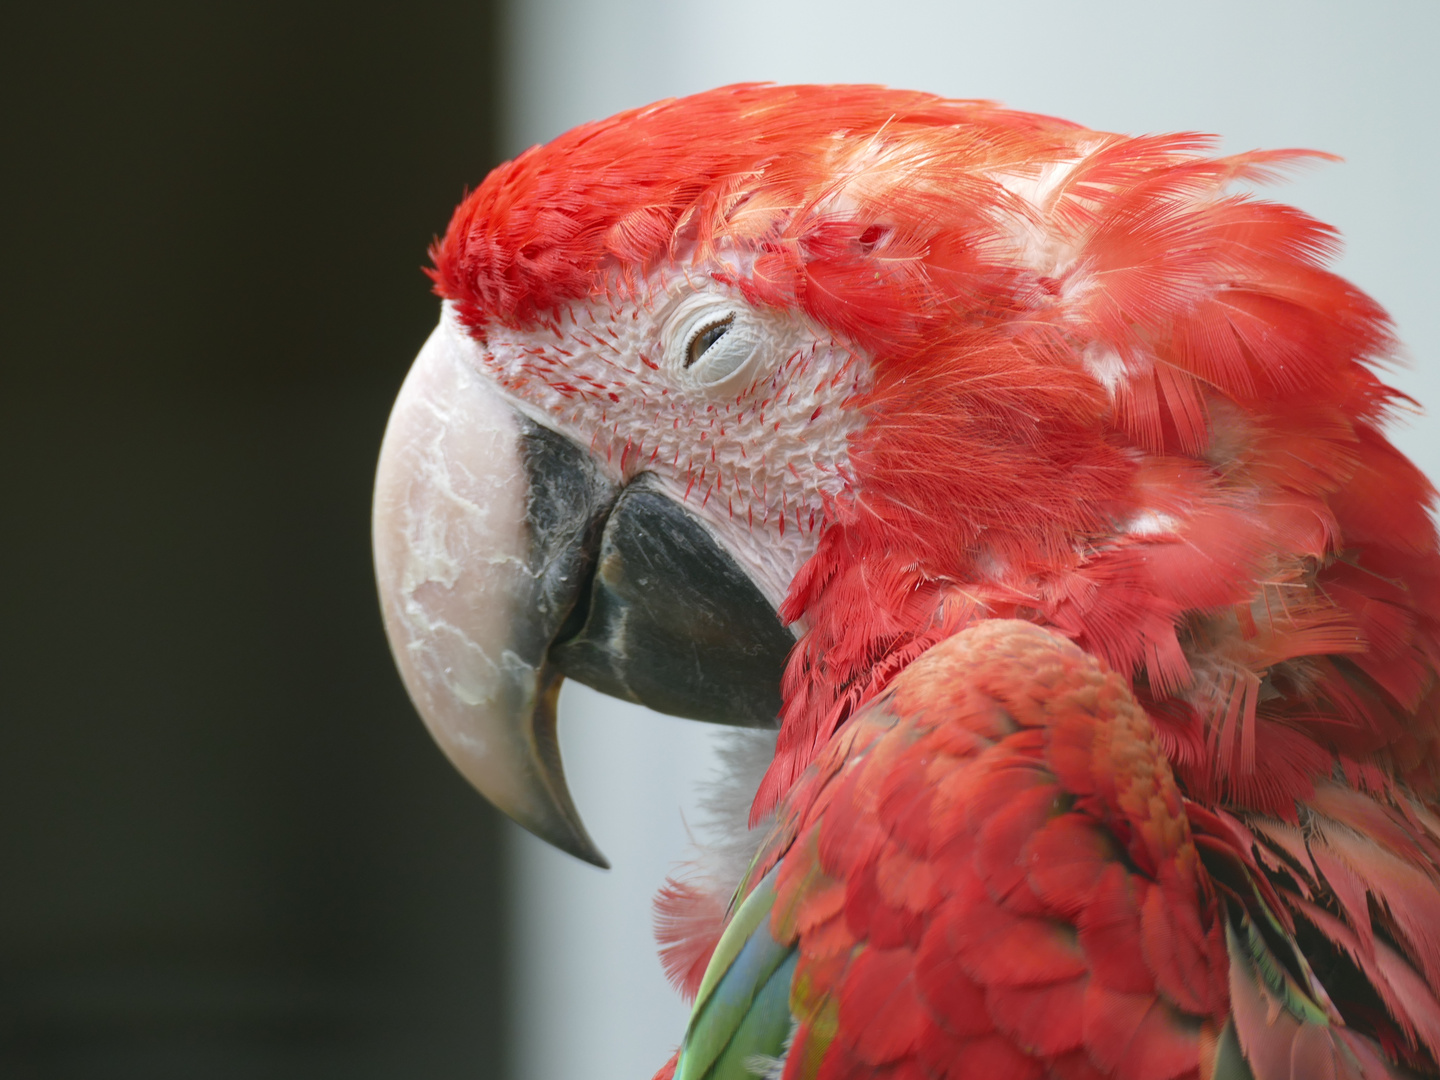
x=1020 y=889
x=998 y=870
x=1360 y=871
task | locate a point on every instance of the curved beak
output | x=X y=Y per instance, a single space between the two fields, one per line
x=506 y=560
x=472 y=593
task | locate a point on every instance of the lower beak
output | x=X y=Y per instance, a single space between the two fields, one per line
x=506 y=560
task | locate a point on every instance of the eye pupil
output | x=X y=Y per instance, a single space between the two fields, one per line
x=701 y=342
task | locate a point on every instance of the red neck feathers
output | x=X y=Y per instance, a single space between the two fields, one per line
x=1169 y=449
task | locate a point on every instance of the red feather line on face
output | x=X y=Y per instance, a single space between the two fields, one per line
x=1108 y=396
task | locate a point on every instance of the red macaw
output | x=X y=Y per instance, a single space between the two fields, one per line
x=1035 y=480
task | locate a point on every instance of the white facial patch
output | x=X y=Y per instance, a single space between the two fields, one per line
x=739 y=412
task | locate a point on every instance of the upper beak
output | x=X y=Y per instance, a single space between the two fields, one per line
x=506 y=559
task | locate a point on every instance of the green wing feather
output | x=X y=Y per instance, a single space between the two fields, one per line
x=742 y=1012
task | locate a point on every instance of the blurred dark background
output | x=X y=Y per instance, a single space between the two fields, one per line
x=227 y=846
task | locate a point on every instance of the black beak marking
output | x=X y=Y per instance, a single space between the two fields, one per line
x=673 y=622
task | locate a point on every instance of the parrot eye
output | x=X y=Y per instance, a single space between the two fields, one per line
x=711 y=344
x=705 y=337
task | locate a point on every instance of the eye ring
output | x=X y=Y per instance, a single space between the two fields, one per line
x=706 y=335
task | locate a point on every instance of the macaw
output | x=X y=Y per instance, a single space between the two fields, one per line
x=1032 y=480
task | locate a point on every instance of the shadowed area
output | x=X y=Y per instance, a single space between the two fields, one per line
x=230 y=849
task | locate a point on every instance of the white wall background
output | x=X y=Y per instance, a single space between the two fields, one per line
x=1357 y=79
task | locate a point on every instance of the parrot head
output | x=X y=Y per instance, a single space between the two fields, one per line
x=740 y=402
